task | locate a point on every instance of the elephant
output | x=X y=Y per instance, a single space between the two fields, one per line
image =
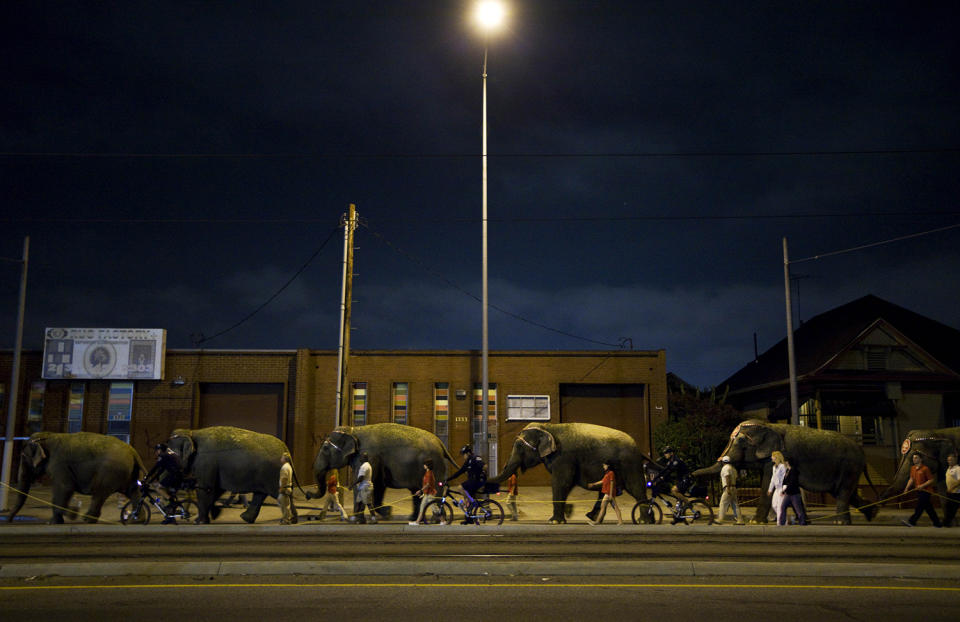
x=82 y=462
x=396 y=452
x=574 y=454
x=933 y=446
x=828 y=462
x=224 y=458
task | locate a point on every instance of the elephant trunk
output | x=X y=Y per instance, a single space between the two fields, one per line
x=899 y=481
x=511 y=467
x=710 y=470
x=24 y=481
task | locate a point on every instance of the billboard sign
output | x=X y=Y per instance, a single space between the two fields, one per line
x=104 y=353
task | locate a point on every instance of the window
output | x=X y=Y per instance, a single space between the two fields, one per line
x=359 y=397
x=401 y=400
x=35 y=407
x=491 y=419
x=75 y=407
x=528 y=408
x=441 y=411
x=119 y=410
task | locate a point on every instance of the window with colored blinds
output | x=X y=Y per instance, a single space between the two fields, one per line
x=359 y=399
x=401 y=402
x=441 y=411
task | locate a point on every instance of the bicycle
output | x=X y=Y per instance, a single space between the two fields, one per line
x=440 y=510
x=138 y=511
x=686 y=510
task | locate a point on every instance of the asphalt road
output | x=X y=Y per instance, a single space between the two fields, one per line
x=255 y=598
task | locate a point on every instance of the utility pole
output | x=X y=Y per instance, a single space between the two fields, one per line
x=349 y=221
x=791 y=360
x=14 y=382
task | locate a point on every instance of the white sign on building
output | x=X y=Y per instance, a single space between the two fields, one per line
x=104 y=353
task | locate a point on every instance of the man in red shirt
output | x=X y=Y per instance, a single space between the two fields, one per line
x=921 y=480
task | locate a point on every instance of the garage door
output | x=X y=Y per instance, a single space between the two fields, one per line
x=257 y=407
x=620 y=406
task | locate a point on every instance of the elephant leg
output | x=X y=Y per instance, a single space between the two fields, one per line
x=415 y=512
x=592 y=514
x=92 y=514
x=205 y=500
x=61 y=502
x=253 y=509
x=844 y=497
x=379 y=492
x=763 y=504
x=561 y=484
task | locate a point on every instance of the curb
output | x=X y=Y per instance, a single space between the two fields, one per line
x=486 y=568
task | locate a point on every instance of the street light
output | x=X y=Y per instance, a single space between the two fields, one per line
x=489 y=15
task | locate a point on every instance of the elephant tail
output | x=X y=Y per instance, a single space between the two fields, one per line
x=450 y=458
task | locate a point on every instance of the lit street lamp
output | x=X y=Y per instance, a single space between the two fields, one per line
x=489 y=15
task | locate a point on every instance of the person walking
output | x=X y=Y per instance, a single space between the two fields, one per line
x=331 y=498
x=921 y=480
x=775 y=489
x=512 y=492
x=363 y=490
x=427 y=492
x=953 y=490
x=608 y=486
x=728 y=499
x=791 y=495
x=285 y=495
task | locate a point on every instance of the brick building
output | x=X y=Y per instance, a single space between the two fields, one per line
x=292 y=394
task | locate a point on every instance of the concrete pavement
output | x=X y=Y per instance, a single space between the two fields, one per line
x=535 y=506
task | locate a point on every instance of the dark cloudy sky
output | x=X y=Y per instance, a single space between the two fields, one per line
x=175 y=164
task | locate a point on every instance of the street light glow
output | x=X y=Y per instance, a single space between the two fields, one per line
x=490 y=14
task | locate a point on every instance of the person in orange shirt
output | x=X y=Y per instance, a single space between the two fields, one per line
x=512 y=492
x=428 y=491
x=921 y=480
x=608 y=487
x=331 y=499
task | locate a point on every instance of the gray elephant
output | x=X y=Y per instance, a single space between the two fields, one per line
x=82 y=462
x=827 y=461
x=224 y=458
x=574 y=454
x=933 y=446
x=396 y=453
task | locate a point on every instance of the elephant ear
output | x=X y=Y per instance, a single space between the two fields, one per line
x=545 y=443
x=765 y=440
x=35 y=453
x=347 y=443
x=188 y=449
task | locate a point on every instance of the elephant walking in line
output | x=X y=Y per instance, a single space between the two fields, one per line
x=224 y=458
x=574 y=454
x=828 y=462
x=396 y=452
x=933 y=446
x=82 y=462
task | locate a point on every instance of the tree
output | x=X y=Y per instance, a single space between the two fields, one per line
x=699 y=425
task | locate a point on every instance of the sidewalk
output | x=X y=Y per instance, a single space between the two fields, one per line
x=535 y=506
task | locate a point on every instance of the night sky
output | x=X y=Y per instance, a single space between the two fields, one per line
x=176 y=164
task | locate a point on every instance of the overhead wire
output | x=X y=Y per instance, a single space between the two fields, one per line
x=416 y=260
x=201 y=338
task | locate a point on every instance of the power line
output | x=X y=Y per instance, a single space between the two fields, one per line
x=872 y=244
x=455 y=155
x=414 y=259
x=200 y=339
x=467 y=220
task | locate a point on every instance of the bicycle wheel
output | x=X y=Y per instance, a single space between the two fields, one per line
x=135 y=513
x=647 y=513
x=697 y=511
x=489 y=512
x=438 y=512
x=188 y=510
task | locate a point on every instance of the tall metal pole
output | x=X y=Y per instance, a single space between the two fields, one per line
x=791 y=360
x=485 y=353
x=346 y=295
x=14 y=382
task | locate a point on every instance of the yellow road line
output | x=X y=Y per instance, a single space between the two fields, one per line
x=481 y=585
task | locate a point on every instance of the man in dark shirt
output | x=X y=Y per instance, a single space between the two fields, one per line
x=167 y=470
x=476 y=472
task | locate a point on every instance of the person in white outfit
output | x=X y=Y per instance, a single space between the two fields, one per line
x=776 y=483
x=728 y=500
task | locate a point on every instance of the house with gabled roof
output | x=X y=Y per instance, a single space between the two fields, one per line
x=869 y=369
